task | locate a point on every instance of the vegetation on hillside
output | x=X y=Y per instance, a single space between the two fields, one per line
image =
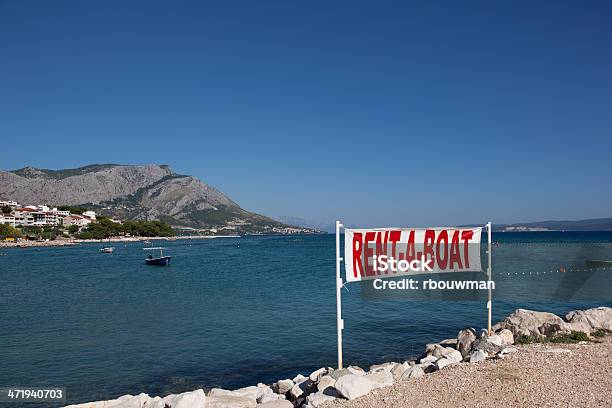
x=6 y=231
x=105 y=228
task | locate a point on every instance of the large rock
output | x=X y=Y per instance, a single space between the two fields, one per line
x=354 y=370
x=229 y=401
x=454 y=357
x=325 y=382
x=302 y=389
x=590 y=320
x=428 y=360
x=270 y=397
x=465 y=338
x=507 y=338
x=491 y=345
x=381 y=378
x=283 y=386
x=478 y=356
x=319 y=398
x=353 y=386
x=315 y=375
x=531 y=323
x=192 y=399
x=399 y=370
x=415 y=371
x=125 y=401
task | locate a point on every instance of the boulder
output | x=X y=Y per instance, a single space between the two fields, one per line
x=325 y=382
x=353 y=386
x=465 y=338
x=478 y=356
x=507 y=338
x=531 y=323
x=319 y=398
x=229 y=401
x=276 y=404
x=508 y=350
x=302 y=389
x=452 y=358
x=449 y=343
x=315 y=375
x=428 y=360
x=252 y=392
x=192 y=399
x=489 y=344
x=299 y=378
x=283 y=386
x=356 y=370
x=399 y=369
x=384 y=366
x=590 y=320
x=382 y=378
x=125 y=401
x=415 y=371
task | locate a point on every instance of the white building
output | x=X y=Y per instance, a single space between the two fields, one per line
x=9 y=203
x=8 y=219
x=77 y=220
x=90 y=214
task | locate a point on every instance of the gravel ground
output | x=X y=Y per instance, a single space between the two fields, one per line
x=559 y=375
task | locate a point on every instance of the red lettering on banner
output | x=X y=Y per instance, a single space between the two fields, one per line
x=394 y=238
x=357 y=247
x=410 y=250
x=430 y=236
x=442 y=261
x=370 y=236
x=466 y=236
x=455 y=256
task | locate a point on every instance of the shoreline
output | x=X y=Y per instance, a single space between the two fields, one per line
x=73 y=242
x=453 y=372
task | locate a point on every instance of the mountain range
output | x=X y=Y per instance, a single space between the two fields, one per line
x=141 y=192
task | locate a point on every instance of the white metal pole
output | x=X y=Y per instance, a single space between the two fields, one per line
x=339 y=321
x=489 y=270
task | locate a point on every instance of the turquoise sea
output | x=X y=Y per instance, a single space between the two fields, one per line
x=228 y=312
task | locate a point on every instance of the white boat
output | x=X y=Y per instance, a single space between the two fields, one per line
x=107 y=250
x=161 y=260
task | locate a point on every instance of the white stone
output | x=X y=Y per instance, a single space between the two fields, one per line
x=270 y=397
x=353 y=386
x=415 y=371
x=477 y=356
x=283 y=386
x=382 y=378
x=356 y=370
x=125 y=401
x=325 y=382
x=590 y=320
x=507 y=337
x=192 y=399
x=299 y=378
x=315 y=375
x=319 y=398
x=399 y=370
x=229 y=401
x=428 y=360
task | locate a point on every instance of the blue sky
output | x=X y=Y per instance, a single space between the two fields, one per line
x=377 y=113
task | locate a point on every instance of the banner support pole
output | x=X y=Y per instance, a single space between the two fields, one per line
x=489 y=270
x=339 y=321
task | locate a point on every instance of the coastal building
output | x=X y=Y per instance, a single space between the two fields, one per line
x=8 y=219
x=90 y=214
x=9 y=203
x=77 y=220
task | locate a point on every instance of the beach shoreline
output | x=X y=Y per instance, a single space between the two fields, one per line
x=73 y=242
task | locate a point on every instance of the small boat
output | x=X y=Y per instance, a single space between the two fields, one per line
x=161 y=260
x=107 y=250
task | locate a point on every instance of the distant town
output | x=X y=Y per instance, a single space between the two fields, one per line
x=16 y=215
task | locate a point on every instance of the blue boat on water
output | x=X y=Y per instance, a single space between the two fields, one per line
x=161 y=260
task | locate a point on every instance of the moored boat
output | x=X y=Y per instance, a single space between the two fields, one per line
x=107 y=250
x=161 y=260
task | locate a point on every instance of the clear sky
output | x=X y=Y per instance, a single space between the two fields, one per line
x=377 y=113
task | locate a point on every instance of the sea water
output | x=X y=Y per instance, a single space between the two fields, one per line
x=228 y=312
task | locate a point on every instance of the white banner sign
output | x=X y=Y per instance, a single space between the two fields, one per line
x=387 y=252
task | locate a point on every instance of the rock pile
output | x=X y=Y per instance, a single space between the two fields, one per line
x=326 y=384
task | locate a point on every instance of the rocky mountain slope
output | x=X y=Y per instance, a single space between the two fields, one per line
x=149 y=192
